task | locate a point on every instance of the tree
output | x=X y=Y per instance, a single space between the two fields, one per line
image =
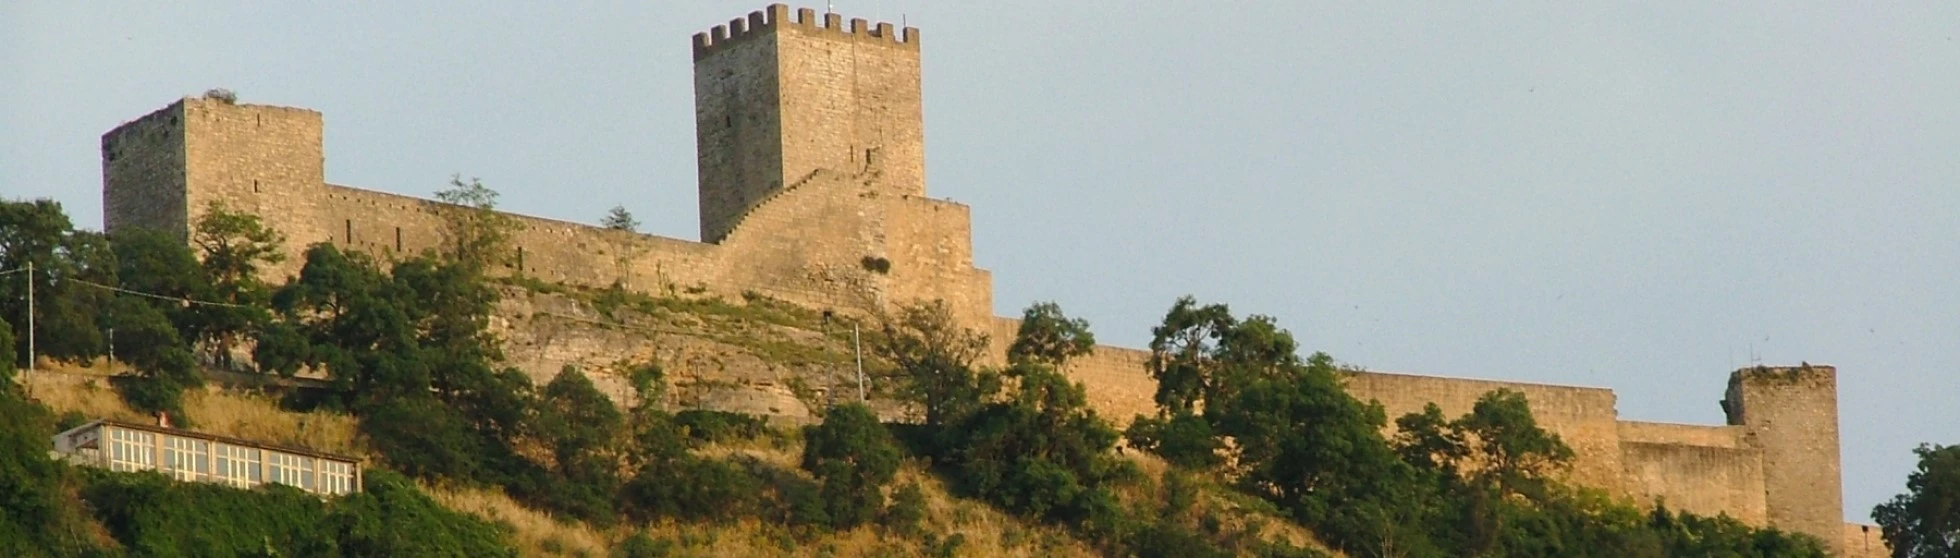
x=1049 y=337
x=38 y=232
x=1183 y=353
x=7 y=357
x=619 y=219
x=472 y=227
x=853 y=456
x=235 y=248
x=935 y=362
x=1924 y=522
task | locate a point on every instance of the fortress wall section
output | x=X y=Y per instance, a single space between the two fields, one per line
x=1586 y=418
x=1706 y=480
x=1791 y=414
x=391 y=225
x=1118 y=384
x=143 y=173
x=1689 y=434
x=1864 y=541
x=1114 y=378
x=807 y=244
x=929 y=247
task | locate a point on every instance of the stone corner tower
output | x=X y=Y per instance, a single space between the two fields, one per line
x=1791 y=414
x=780 y=97
x=162 y=170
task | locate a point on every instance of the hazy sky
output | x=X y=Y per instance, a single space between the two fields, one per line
x=1640 y=197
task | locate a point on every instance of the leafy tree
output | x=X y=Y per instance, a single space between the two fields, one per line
x=34 y=518
x=65 y=312
x=854 y=457
x=580 y=424
x=1924 y=522
x=1183 y=353
x=1513 y=453
x=474 y=233
x=410 y=352
x=235 y=248
x=935 y=359
x=1049 y=337
x=619 y=219
x=7 y=358
x=150 y=331
x=1043 y=452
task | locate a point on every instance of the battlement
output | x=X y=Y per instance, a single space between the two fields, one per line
x=831 y=25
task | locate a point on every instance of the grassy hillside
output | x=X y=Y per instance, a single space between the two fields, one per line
x=951 y=525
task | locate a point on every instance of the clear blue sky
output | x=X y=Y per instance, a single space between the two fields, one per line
x=1635 y=196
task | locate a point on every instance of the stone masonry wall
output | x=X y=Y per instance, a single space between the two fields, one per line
x=854 y=105
x=1585 y=418
x=1707 y=480
x=1791 y=414
x=143 y=173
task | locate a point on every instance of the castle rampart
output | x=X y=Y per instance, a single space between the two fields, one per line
x=811 y=177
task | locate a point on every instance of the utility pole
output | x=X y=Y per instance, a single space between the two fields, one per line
x=30 y=317
x=858 y=348
x=830 y=370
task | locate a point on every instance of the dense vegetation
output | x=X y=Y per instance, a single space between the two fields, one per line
x=405 y=346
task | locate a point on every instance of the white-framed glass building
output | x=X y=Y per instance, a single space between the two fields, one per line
x=194 y=456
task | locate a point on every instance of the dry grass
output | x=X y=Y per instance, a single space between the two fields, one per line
x=239 y=414
x=535 y=533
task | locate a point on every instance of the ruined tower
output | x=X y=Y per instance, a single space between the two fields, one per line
x=1791 y=414
x=778 y=98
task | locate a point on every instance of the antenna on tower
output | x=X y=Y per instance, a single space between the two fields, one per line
x=829 y=7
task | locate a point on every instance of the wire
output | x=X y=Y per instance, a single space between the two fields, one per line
x=158 y=296
x=13 y=271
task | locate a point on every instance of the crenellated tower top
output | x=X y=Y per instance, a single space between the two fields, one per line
x=778 y=98
x=833 y=25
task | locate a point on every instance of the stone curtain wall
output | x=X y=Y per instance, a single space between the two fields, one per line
x=1707 y=480
x=1584 y=417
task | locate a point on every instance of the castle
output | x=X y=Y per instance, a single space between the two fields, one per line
x=812 y=190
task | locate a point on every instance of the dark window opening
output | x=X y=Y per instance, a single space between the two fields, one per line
x=398 y=239
x=255 y=186
x=350 y=231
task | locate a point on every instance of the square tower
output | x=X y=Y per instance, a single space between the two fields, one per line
x=163 y=170
x=1791 y=414
x=778 y=99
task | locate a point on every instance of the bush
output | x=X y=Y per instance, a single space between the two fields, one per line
x=853 y=456
x=907 y=513
x=692 y=488
x=642 y=546
x=715 y=427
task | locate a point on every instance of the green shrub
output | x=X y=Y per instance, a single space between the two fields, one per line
x=642 y=546
x=715 y=427
x=907 y=511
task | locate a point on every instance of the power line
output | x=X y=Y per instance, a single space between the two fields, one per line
x=159 y=296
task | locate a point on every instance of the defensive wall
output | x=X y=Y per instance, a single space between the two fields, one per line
x=811 y=179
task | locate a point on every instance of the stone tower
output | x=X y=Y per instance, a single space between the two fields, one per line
x=777 y=99
x=1791 y=414
x=164 y=169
